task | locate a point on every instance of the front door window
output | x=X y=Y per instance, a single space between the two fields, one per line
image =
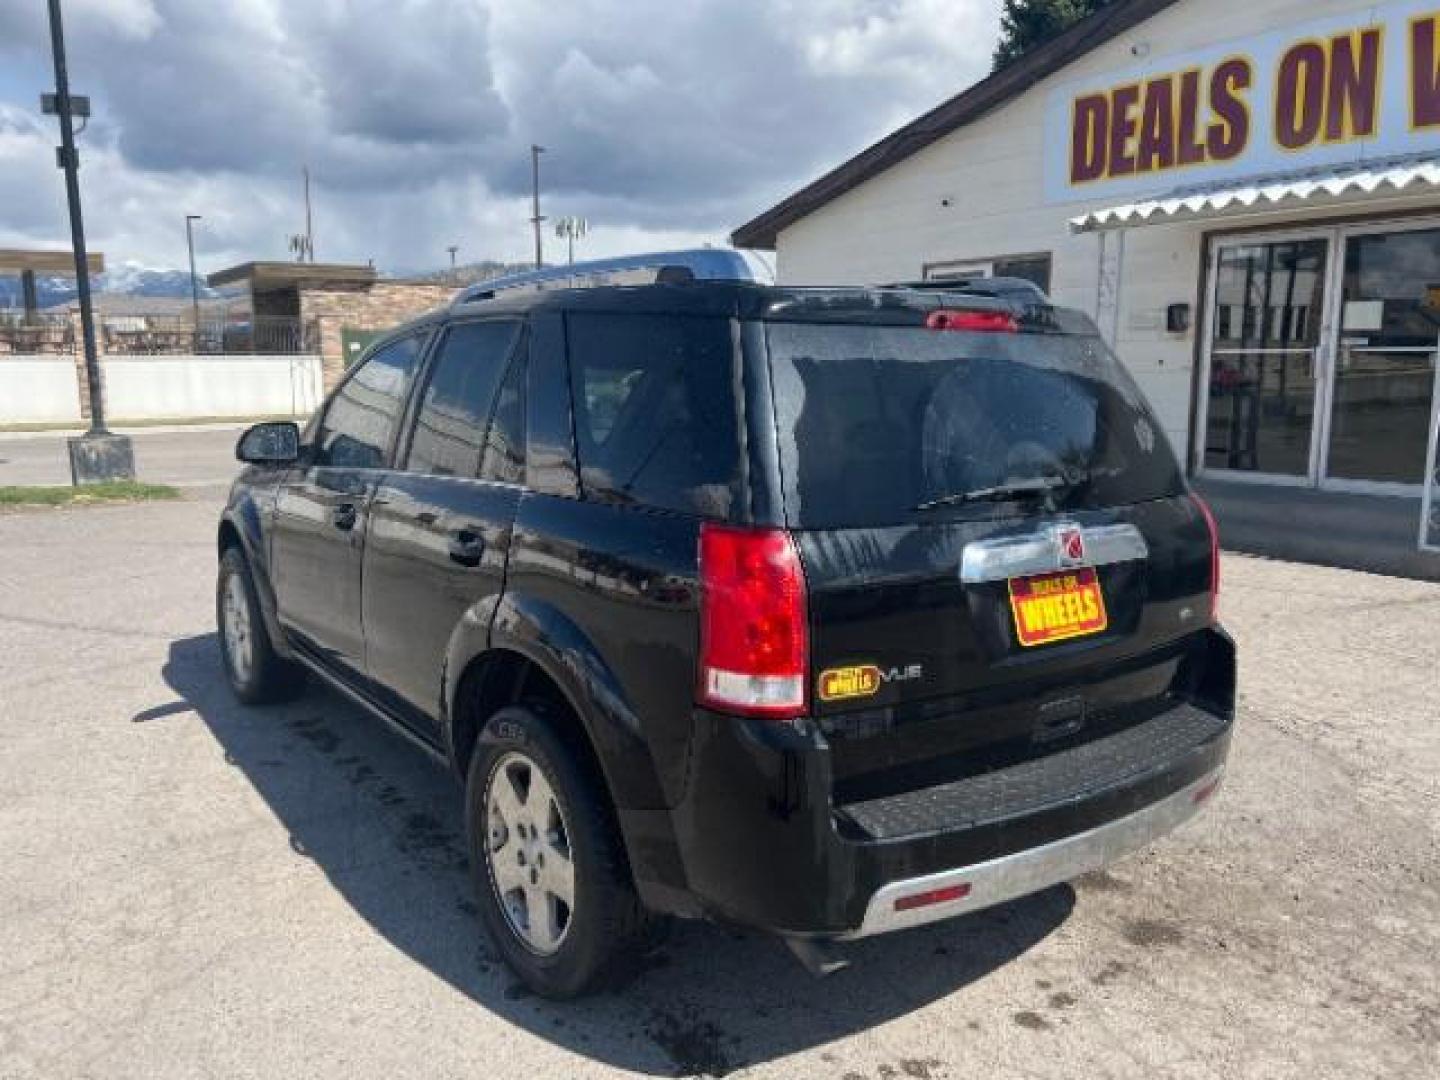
x=1382 y=401
x=1265 y=329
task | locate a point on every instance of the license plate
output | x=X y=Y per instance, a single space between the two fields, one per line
x=1057 y=607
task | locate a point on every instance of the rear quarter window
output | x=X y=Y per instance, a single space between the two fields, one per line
x=875 y=421
x=655 y=411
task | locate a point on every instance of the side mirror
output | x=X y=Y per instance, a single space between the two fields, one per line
x=275 y=443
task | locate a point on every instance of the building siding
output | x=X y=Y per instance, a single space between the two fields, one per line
x=992 y=174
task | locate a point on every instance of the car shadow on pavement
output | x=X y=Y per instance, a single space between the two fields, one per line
x=383 y=822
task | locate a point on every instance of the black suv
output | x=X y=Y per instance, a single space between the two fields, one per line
x=823 y=611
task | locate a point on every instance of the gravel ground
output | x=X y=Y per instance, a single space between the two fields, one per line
x=195 y=889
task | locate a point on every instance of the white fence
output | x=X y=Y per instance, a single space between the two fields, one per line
x=166 y=387
x=39 y=389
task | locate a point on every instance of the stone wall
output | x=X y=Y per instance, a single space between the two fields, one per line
x=381 y=306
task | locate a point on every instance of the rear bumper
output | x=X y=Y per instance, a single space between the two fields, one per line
x=762 y=844
x=1012 y=876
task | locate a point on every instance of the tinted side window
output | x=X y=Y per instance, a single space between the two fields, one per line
x=505 y=442
x=356 y=431
x=655 y=411
x=450 y=422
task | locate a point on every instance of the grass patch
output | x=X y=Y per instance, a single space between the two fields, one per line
x=116 y=491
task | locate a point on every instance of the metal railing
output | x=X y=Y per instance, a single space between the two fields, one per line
x=150 y=335
x=36 y=333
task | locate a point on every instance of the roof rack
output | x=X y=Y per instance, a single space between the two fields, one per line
x=661 y=267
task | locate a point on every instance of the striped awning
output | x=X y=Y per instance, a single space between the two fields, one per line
x=1334 y=184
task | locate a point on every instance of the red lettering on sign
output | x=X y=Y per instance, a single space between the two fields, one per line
x=1425 y=72
x=1191 y=150
x=1157 y=127
x=1227 y=139
x=1300 y=95
x=1352 y=104
x=1122 y=129
x=1088 y=134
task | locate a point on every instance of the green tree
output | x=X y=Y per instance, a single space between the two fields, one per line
x=1024 y=24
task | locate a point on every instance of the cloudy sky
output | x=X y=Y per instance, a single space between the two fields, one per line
x=666 y=121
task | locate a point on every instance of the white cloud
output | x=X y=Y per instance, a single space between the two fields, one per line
x=664 y=122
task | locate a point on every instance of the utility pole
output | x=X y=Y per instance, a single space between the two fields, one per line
x=535 y=219
x=98 y=455
x=309 y=225
x=190 y=220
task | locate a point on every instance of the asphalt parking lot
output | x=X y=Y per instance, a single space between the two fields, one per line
x=191 y=888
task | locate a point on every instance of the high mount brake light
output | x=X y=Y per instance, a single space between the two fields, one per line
x=982 y=322
x=1205 y=512
x=754 y=640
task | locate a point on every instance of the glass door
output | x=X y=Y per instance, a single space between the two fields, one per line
x=1382 y=401
x=1265 y=347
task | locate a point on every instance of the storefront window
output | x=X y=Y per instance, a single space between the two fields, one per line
x=1263 y=356
x=1385 y=366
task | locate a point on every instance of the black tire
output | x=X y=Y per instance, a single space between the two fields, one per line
x=607 y=929
x=265 y=677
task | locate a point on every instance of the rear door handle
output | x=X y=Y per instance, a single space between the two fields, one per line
x=344 y=516
x=467 y=548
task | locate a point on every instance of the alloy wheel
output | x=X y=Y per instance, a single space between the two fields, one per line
x=236 y=625
x=527 y=851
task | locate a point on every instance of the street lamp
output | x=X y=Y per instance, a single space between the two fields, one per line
x=97 y=455
x=190 y=220
x=571 y=229
x=535 y=219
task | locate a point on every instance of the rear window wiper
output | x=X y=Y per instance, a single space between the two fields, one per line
x=1039 y=487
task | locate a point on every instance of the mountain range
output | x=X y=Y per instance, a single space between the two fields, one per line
x=131 y=279
x=134 y=279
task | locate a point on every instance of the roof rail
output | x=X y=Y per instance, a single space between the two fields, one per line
x=700 y=264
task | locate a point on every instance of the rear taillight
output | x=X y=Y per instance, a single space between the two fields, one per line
x=753 y=638
x=981 y=322
x=1204 y=508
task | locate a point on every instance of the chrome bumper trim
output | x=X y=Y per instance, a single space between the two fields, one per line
x=1042 y=552
x=1026 y=872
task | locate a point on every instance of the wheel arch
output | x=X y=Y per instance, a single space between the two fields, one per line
x=240 y=527
x=495 y=661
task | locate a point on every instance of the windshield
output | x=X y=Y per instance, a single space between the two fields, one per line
x=883 y=425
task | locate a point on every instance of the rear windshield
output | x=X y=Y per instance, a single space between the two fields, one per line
x=877 y=421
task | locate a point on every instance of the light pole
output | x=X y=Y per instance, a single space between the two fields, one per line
x=98 y=455
x=309 y=224
x=453 y=248
x=535 y=218
x=571 y=229
x=190 y=220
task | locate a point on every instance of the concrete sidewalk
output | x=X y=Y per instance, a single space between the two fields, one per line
x=1377 y=534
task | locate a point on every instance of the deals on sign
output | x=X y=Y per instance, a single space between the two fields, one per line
x=1362 y=86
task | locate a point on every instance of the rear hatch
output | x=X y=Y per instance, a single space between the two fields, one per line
x=1001 y=556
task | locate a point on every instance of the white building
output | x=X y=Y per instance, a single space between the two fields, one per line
x=1244 y=193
